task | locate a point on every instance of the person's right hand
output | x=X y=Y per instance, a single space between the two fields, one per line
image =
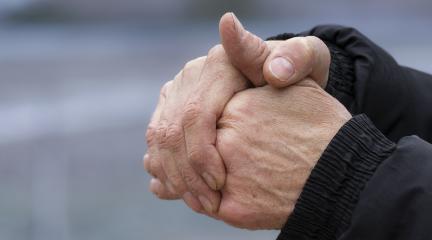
x=182 y=133
x=270 y=140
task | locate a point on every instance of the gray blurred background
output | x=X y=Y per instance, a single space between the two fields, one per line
x=79 y=80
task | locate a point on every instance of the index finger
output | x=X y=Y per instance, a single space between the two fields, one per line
x=219 y=81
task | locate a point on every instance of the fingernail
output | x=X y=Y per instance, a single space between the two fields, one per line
x=281 y=68
x=211 y=182
x=206 y=204
x=238 y=25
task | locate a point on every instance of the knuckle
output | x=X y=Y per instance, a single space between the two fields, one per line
x=161 y=134
x=192 y=112
x=188 y=66
x=150 y=135
x=174 y=136
x=217 y=53
x=216 y=50
x=197 y=62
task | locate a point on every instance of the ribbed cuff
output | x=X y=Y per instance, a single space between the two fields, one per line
x=341 y=79
x=324 y=209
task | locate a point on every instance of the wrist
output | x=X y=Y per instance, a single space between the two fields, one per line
x=324 y=208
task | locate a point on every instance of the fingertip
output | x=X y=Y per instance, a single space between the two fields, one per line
x=230 y=29
x=246 y=51
x=226 y=18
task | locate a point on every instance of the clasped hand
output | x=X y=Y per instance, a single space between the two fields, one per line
x=237 y=133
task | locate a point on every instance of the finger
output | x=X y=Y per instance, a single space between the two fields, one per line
x=169 y=141
x=151 y=135
x=208 y=198
x=202 y=112
x=193 y=203
x=292 y=60
x=170 y=138
x=296 y=58
x=246 y=51
x=161 y=191
x=179 y=171
x=158 y=172
x=168 y=145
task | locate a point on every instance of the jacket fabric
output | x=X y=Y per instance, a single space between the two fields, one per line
x=374 y=180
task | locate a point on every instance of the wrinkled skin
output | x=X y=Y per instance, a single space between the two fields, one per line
x=266 y=141
x=182 y=133
x=270 y=141
x=181 y=136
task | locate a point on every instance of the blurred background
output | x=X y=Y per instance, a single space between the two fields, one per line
x=79 y=80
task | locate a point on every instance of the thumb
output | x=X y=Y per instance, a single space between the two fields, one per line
x=246 y=51
x=278 y=63
x=294 y=59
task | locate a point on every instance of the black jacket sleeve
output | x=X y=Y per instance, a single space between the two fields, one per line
x=366 y=79
x=365 y=186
